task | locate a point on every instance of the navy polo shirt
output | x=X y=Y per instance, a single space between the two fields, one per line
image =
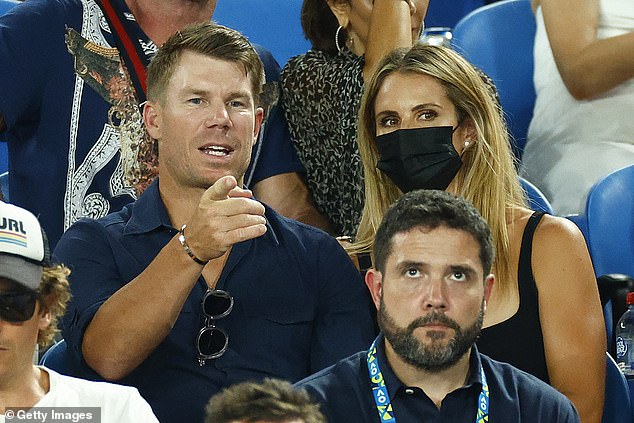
x=300 y=304
x=345 y=393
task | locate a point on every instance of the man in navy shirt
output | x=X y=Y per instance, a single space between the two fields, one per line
x=433 y=254
x=69 y=100
x=197 y=285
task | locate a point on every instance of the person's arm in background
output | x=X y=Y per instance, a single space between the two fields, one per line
x=288 y=194
x=574 y=334
x=391 y=26
x=274 y=175
x=588 y=66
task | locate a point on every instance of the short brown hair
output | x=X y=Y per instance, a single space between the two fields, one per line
x=211 y=40
x=270 y=400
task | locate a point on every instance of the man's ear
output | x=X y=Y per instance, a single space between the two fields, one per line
x=44 y=317
x=341 y=10
x=152 y=119
x=259 y=118
x=374 y=282
x=488 y=287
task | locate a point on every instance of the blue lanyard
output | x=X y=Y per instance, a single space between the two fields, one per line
x=382 y=397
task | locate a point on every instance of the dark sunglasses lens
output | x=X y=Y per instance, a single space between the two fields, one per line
x=217 y=304
x=17 y=306
x=212 y=342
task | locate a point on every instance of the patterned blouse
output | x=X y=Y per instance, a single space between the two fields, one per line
x=321 y=93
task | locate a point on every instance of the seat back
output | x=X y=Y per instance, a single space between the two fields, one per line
x=4 y=155
x=58 y=358
x=273 y=24
x=498 y=38
x=448 y=13
x=6 y=5
x=610 y=223
x=617 y=407
x=4 y=187
x=536 y=199
x=609 y=233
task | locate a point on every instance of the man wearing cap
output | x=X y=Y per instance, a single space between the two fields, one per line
x=33 y=295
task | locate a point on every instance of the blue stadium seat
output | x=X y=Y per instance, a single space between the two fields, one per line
x=610 y=220
x=273 y=24
x=447 y=13
x=58 y=358
x=498 y=38
x=4 y=186
x=536 y=199
x=608 y=226
x=4 y=155
x=6 y=5
x=618 y=405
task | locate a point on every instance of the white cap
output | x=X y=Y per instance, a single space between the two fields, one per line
x=23 y=246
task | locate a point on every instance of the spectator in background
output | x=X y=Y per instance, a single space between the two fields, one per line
x=429 y=121
x=321 y=90
x=33 y=296
x=69 y=96
x=239 y=292
x=270 y=401
x=431 y=285
x=582 y=128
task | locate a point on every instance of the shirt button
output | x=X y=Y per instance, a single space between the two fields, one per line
x=409 y=391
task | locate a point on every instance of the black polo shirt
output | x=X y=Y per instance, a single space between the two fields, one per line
x=345 y=392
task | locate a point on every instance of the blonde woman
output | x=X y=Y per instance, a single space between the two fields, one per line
x=428 y=120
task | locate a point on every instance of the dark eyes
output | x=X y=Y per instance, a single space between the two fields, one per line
x=412 y=272
x=459 y=276
x=236 y=103
x=394 y=120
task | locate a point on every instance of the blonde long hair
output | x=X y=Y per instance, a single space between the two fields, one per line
x=487 y=178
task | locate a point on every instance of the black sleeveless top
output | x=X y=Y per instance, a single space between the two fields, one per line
x=519 y=340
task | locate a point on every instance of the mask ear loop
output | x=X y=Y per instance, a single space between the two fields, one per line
x=467 y=142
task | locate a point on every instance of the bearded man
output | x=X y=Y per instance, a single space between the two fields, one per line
x=433 y=254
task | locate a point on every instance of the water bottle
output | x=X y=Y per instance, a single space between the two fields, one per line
x=625 y=339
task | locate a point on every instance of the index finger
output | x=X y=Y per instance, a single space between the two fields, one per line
x=220 y=189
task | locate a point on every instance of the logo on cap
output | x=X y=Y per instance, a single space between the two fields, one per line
x=12 y=232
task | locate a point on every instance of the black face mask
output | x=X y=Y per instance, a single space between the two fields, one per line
x=420 y=158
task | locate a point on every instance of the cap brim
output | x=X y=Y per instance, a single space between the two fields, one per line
x=21 y=271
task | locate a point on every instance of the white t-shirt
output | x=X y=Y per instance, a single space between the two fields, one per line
x=119 y=404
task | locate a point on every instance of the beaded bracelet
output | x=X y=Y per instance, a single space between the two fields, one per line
x=183 y=241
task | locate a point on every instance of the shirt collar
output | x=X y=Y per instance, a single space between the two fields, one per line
x=393 y=383
x=149 y=213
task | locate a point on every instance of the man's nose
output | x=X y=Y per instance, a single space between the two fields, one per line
x=435 y=294
x=218 y=116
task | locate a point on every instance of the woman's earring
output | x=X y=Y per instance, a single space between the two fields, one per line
x=339 y=49
x=466 y=144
